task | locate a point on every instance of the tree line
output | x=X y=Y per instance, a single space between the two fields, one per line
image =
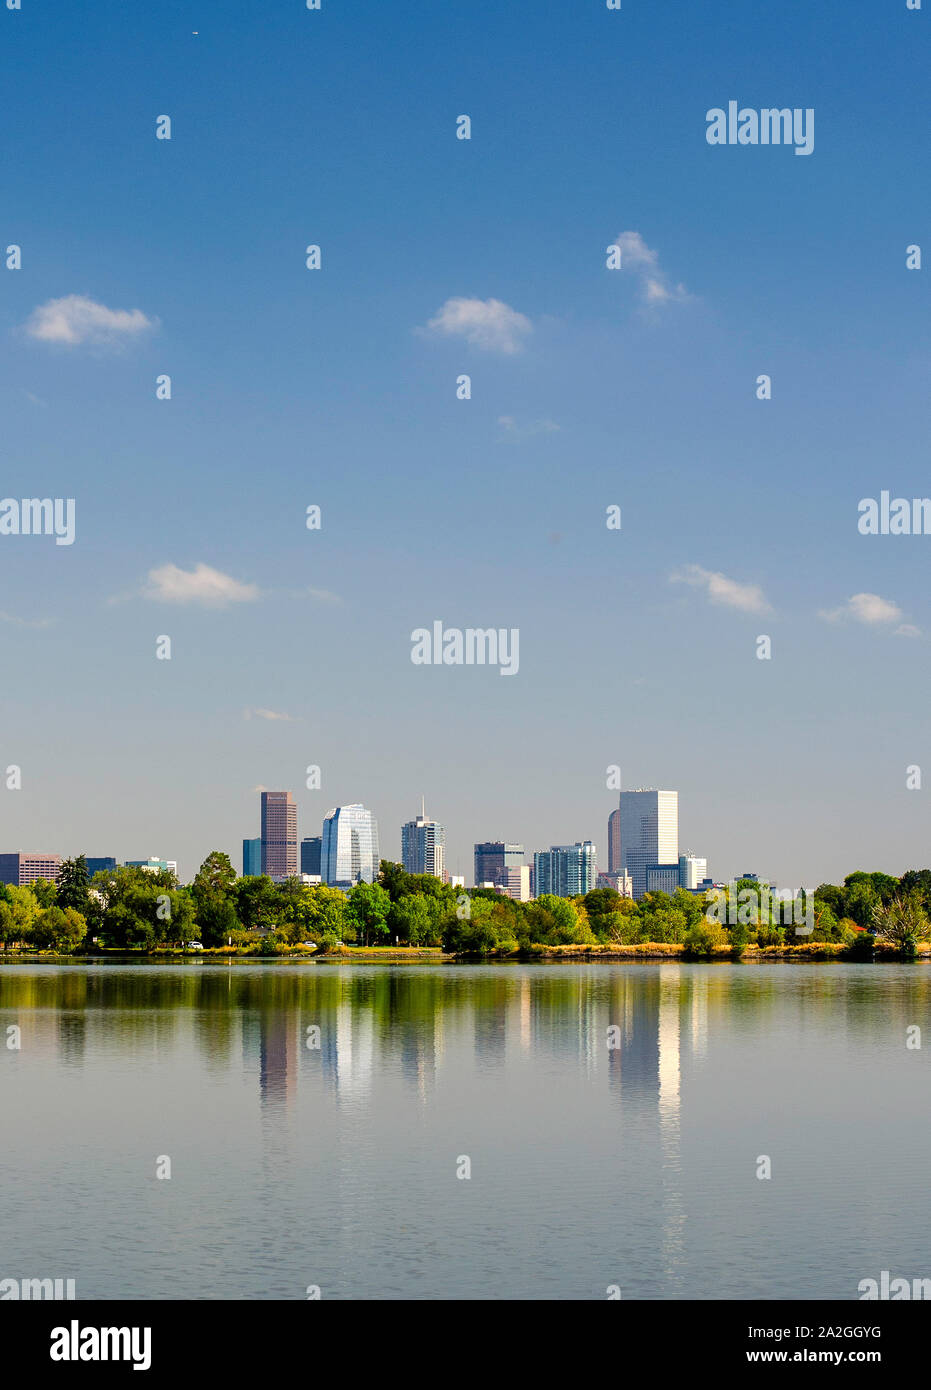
x=135 y=908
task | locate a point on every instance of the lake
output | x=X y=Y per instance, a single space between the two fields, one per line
x=612 y=1119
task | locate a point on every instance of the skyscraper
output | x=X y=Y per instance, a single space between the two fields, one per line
x=662 y=878
x=349 y=852
x=565 y=870
x=492 y=857
x=103 y=864
x=692 y=870
x=310 y=854
x=20 y=869
x=649 y=831
x=516 y=883
x=423 y=845
x=615 y=860
x=251 y=858
x=279 y=834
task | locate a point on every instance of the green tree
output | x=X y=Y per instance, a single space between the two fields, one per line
x=133 y=907
x=257 y=902
x=411 y=920
x=367 y=909
x=215 y=875
x=393 y=879
x=214 y=901
x=44 y=892
x=59 y=929
x=18 y=912
x=884 y=885
x=553 y=921
x=599 y=902
x=326 y=913
x=703 y=938
x=667 y=917
x=216 y=918
x=294 y=909
x=861 y=901
x=902 y=921
x=917 y=881
x=178 y=917
x=72 y=885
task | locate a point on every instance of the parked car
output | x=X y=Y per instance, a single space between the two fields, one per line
x=193 y=946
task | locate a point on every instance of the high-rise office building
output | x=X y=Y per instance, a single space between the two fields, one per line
x=649 y=829
x=20 y=869
x=492 y=857
x=516 y=883
x=279 y=835
x=349 y=852
x=423 y=846
x=100 y=865
x=692 y=871
x=154 y=865
x=615 y=860
x=565 y=870
x=252 y=858
x=662 y=878
x=311 y=846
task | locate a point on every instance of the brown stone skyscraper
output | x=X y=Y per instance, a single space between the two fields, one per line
x=279 y=834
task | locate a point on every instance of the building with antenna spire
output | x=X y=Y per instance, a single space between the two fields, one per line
x=423 y=845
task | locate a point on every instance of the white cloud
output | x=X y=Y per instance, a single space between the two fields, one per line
x=75 y=319
x=515 y=431
x=865 y=608
x=660 y=292
x=655 y=286
x=485 y=323
x=907 y=630
x=635 y=254
x=202 y=584
x=25 y=622
x=270 y=714
x=748 y=598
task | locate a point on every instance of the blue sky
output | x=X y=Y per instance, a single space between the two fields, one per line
x=292 y=387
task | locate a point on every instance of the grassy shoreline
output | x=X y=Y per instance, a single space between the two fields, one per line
x=811 y=952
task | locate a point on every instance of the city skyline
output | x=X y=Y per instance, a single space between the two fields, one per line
x=347 y=851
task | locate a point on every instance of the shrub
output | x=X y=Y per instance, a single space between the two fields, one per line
x=703 y=938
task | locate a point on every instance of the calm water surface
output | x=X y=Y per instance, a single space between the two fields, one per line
x=337 y=1165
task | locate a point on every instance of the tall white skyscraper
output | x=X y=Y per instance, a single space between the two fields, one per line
x=423 y=844
x=649 y=833
x=349 y=852
x=692 y=870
